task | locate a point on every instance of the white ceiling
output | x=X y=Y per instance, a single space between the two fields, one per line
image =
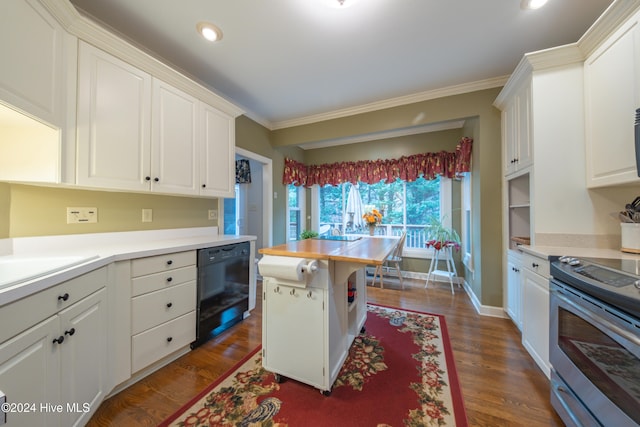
x=287 y=62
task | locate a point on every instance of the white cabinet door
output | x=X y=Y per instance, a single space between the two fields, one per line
x=294 y=332
x=514 y=290
x=114 y=122
x=612 y=94
x=217 y=154
x=516 y=131
x=83 y=364
x=32 y=71
x=535 y=318
x=174 y=141
x=29 y=374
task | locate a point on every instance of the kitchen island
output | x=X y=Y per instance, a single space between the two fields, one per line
x=309 y=319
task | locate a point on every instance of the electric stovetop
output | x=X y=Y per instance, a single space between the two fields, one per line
x=614 y=281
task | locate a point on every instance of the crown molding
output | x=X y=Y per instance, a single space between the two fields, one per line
x=394 y=102
x=100 y=35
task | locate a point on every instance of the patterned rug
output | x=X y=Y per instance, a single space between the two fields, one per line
x=399 y=372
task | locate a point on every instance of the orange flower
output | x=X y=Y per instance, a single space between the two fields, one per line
x=372 y=218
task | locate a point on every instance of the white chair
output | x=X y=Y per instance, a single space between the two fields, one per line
x=394 y=258
x=451 y=272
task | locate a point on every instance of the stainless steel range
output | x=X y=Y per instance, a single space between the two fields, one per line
x=594 y=344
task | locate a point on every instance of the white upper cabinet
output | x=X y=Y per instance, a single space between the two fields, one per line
x=139 y=133
x=217 y=155
x=33 y=51
x=174 y=141
x=612 y=94
x=114 y=122
x=516 y=129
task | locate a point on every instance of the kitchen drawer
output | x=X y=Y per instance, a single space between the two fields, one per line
x=156 y=343
x=24 y=313
x=163 y=280
x=157 y=307
x=536 y=264
x=158 y=263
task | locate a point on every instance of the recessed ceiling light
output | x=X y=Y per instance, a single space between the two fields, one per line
x=532 y=4
x=209 y=31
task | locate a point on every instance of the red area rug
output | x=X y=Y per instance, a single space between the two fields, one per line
x=400 y=372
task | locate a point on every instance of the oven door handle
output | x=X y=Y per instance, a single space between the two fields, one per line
x=594 y=319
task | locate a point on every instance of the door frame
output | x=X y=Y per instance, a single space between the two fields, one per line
x=267 y=190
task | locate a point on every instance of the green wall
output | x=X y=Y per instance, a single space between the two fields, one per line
x=27 y=210
x=41 y=211
x=482 y=124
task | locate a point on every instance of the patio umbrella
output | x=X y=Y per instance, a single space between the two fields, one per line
x=355 y=207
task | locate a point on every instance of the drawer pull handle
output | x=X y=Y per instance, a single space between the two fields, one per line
x=169 y=262
x=309 y=295
x=169 y=304
x=58 y=340
x=169 y=339
x=169 y=279
x=276 y=290
x=63 y=297
x=70 y=332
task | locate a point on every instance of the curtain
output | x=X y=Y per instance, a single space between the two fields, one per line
x=243 y=171
x=407 y=168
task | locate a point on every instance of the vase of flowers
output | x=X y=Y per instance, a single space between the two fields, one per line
x=372 y=218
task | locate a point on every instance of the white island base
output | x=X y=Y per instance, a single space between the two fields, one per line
x=308 y=326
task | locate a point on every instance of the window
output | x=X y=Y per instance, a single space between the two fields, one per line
x=467 y=228
x=295 y=212
x=404 y=205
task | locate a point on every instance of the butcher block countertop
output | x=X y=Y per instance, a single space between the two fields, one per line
x=365 y=250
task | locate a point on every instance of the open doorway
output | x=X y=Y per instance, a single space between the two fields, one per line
x=250 y=211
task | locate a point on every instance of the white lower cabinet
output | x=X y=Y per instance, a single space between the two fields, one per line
x=54 y=372
x=535 y=311
x=513 y=300
x=307 y=330
x=163 y=306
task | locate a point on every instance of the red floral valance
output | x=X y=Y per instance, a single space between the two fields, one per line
x=407 y=168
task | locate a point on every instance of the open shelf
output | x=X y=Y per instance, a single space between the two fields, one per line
x=519 y=213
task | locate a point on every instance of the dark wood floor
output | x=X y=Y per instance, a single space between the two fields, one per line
x=501 y=384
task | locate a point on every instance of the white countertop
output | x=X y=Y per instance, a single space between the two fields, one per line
x=36 y=263
x=547 y=251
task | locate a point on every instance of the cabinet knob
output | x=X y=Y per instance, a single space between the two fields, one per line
x=169 y=339
x=169 y=279
x=63 y=297
x=70 y=332
x=534 y=265
x=169 y=304
x=204 y=185
x=169 y=262
x=147 y=178
x=156 y=179
x=58 y=340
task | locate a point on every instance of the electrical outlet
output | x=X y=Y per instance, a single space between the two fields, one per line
x=147 y=215
x=82 y=215
x=213 y=214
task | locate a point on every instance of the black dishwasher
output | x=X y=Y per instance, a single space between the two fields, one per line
x=223 y=289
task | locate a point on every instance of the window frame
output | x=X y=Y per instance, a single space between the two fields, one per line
x=301 y=208
x=425 y=253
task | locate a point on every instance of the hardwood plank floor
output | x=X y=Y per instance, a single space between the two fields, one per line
x=501 y=384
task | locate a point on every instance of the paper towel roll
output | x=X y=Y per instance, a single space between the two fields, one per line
x=282 y=267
